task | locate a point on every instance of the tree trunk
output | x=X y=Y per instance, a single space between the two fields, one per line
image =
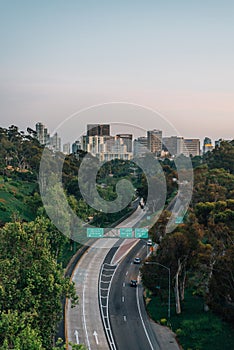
x=182 y=286
x=177 y=294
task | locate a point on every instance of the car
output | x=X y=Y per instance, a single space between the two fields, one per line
x=133 y=283
x=149 y=242
x=137 y=260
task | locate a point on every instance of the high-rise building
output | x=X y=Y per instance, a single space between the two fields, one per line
x=140 y=146
x=92 y=144
x=76 y=146
x=127 y=140
x=98 y=130
x=42 y=134
x=55 y=143
x=106 y=147
x=66 y=148
x=192 y=147
x=207 y=145
x=154 y=141
x=174 y=145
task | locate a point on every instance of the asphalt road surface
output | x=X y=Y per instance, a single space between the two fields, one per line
x=129 y=321
x=83 y=324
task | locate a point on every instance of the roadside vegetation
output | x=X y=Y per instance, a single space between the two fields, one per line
x=34 y=254
x=200 y=256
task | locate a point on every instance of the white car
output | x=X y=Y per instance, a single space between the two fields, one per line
x=149 y=242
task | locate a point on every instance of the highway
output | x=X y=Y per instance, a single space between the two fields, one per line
x=83 y=324
x=130 y=325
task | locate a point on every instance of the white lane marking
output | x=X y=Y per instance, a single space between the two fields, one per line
x=126 y=273
x=96 y=337
x=84 y=319
x=124 y=284
x=77 y=336
x=125 y=318
x=107 y=327
x=143 y=324
x=123 y=299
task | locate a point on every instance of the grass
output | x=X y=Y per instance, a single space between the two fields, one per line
x=13 y=196
x=195 y=329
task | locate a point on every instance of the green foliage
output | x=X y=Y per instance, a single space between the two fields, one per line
x=16 y=332
x=36 y=283
x=194 y=328
x=200 y=251
x=16 y=198
x=222 y=157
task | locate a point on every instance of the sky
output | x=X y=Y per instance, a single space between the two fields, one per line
x=173 y=56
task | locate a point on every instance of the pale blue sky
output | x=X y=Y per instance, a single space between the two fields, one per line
x=172 y=55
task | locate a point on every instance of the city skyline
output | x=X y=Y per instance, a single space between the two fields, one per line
x=120 y=131
x=102 y=143
x=59 y=57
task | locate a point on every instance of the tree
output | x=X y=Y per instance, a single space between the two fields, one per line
x=31 y=281
x=16 y=332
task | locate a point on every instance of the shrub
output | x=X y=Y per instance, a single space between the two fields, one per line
x=163 y=321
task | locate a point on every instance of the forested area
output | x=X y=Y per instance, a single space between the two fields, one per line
x=33 y=253
x=200 y=252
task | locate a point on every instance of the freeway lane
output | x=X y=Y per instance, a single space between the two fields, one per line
x=129 y=321
x=83 y=324
x=85 y=318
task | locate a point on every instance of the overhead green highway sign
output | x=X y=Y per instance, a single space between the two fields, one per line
x=141 y=233
x=126 y=232
x=95 y=232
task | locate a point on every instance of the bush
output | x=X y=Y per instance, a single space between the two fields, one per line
x=163 y=321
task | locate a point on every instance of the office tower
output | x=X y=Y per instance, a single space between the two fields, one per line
x=154 y=141
x=98 y=130
x=192 y=147
x=76 y=146
x=140 y=146
x=174 y=145
x=207 y=145
x=92 y=144
x=55 y=143
x=66 y=148
x=113 y=148
x=42 y=134
x=105 y=147
x=127 y=140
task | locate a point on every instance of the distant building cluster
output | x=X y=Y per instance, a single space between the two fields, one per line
x=100 y=143
x=52 y=142
x=104 y=146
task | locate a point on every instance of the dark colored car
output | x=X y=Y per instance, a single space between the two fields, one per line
x=133 y=283
x=137 y=260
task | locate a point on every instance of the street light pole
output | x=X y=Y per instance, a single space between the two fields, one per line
x=169 y=283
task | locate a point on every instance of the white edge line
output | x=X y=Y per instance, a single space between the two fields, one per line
x=108 y=319
x=84 y=319
x=107 y=329
x=143 y=324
